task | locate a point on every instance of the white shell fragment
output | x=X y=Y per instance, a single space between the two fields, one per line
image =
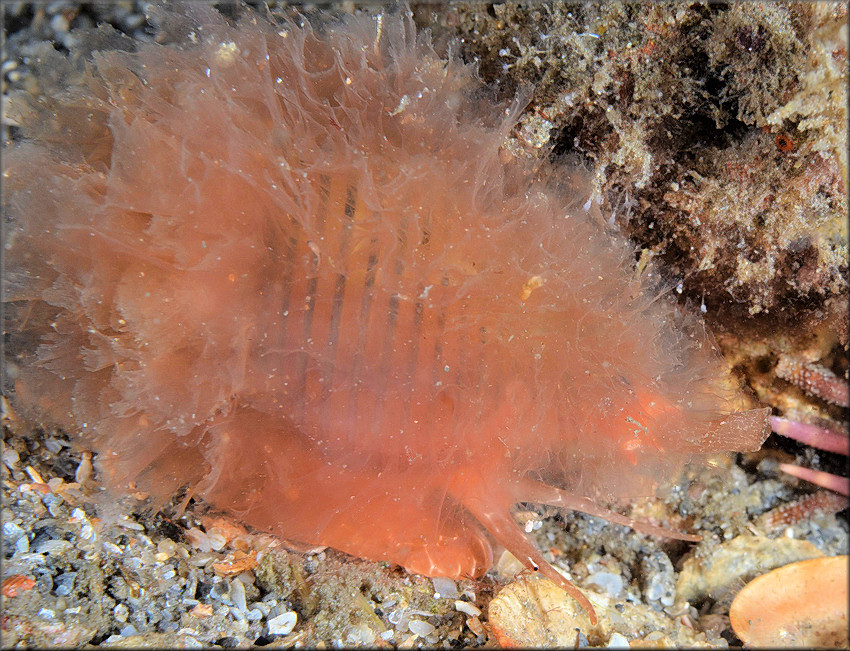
x=283 y=623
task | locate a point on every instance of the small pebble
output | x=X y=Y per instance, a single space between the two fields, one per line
x=22 y=545
x=216 y=541
x=395 y=616
x=166 y=546
x=128 y=630
x=609 y=581
x=11 y=458
x=247 y=578
x=475 y=626
x=420 y=628
x=56 y=546
x=362 y=635
x=283 y=623
x=120 y=612
x=54 y=505
x=12 y=531
x=113 y=548
x=264 y=607
x=221 y=591
x=467 y=608
x=237 y=595
x=198 y=539
x=444 y=588
x=53 y=445
x=64 y=583
x=199 y=560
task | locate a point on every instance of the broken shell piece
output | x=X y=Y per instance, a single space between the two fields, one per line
x=16 y=584
x=801 y=604
x=534 y=612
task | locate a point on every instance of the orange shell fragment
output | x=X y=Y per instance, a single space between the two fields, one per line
x=16 y=584
x=241 y=562
x=803 y=604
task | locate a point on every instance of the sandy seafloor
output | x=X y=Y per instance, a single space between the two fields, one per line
x=81 y=568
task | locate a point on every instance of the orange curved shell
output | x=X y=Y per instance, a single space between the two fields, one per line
x=803 y=604
x=15 y=585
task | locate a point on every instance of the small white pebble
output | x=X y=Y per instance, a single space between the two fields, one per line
x=216 y=540
x=283 y=623
x=12 y=531
x=201 y=559
x=618 y=641
x=11 y=458
x=129 y=524
x=59 y=23
x=54 y=506
x=237 y=595
x=52 y=546
x=475 y=626
x=467 y=608
x=420 y=628
x=444 y=588
x=166 y=546
x=198 y=539
x=247 y=577
x=112 y=547
x=263 y=607
x=121 y=612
